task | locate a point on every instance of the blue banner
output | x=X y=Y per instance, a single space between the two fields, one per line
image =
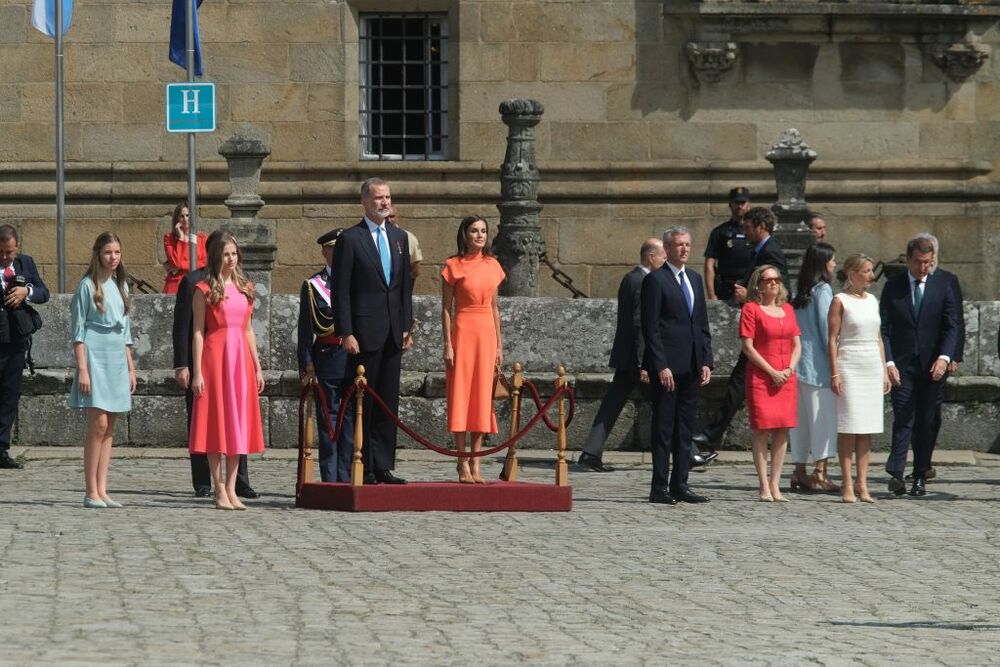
x=178 y=36
x=43 y=16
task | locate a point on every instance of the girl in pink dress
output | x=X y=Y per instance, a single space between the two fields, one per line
x=226 y=375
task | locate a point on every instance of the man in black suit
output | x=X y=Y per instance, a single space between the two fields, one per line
x=183 y=334
x=322 y=357
x=678 y=358
x=758 y=224
x=920 y=332
x=22 y=286
x=373 y=312
x=626 y=357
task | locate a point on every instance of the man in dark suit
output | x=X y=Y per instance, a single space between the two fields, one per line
x=920 y=331
x=678 y=358
x=21 y=286
x=183 y=334
x=323 y=358
x=373 y=312
x=758 y=224
x=626 y=357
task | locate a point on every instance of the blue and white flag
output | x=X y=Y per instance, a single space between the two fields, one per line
x=178 y=36
x=43 y=16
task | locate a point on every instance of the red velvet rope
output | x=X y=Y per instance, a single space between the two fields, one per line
x=451 y=452
x=538 y=404
x=303 y=397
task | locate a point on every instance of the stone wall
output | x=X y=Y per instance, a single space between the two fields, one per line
x=540 y=333
x=641 y=130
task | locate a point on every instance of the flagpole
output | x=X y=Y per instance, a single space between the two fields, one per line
x=190 y=10
x=60 y=172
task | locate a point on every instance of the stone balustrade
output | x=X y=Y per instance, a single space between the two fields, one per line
x=541 y=333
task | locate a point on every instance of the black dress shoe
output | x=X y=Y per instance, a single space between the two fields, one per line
x=203 y=492
x=9 y=463
x=931 y=474
x=590 y=463
x=688 y=496
x=702 y=440
x=247 y=492
x=370 y=478
x=386 y=477
x=703 y=458
x=919 y=488
x=661 y=497
x=897 y=486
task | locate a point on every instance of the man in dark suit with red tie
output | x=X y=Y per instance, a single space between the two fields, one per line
x=22 y=286
x=920 y=332
x=373 y=313
x=678 y=358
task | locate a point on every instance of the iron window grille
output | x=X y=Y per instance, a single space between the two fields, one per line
x=404 y=86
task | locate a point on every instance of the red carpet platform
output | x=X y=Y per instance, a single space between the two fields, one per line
x=436 y=496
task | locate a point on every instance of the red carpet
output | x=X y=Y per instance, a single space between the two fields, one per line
x=436 y=496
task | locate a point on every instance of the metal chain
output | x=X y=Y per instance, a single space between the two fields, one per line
x=561 y=277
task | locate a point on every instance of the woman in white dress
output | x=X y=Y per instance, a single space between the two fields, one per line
x=857 y=372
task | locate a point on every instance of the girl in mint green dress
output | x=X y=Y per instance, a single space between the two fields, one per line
x=105 y=374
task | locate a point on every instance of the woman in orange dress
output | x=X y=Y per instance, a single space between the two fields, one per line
x=472 y=343
x=771 y=342
x=176 y=243
x=226 y=374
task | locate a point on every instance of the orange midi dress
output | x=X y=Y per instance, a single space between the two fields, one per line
x=469 y=383
x=225 y=419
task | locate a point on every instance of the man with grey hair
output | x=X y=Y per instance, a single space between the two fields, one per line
x=373 y=313
x=678 y=359
x=626 y=357
x=817 y=225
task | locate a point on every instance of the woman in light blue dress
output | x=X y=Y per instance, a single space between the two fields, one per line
x=105 y=374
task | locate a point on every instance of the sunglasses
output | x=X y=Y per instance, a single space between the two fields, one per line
x=770 y=281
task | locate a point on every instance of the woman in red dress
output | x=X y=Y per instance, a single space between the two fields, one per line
x=176 y=243
x=226 y=374
x=472 y=344
x=770 y=336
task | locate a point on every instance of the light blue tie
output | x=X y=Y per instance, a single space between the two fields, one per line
x=383 y=251
x=686 y=288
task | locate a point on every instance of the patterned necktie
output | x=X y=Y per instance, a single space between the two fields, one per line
x=383 y=251
x=918 y=295
x=8 y=276
x=686 y=288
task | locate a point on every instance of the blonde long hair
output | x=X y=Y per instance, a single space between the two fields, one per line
x=120 y=274
x=213 y=272
x=753 y=285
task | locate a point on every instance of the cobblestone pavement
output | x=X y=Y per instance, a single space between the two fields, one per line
x=170 y=581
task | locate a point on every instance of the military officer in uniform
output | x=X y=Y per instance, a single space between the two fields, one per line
x=322 y=357
x=727 y=256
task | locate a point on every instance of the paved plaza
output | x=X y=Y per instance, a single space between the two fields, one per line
x=170 y=581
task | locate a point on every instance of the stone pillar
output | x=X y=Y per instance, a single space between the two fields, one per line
x=519 y=241
x=245 y=152
x=791 y=158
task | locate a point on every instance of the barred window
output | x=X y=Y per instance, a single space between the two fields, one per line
x=404 y=86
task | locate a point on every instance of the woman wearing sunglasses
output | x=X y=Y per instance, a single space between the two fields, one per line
x=770 y=335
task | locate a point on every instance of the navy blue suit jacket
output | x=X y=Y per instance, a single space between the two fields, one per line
x=674 y=338
x=25 y=266
x=935 y=331
x=329 y=361
x=363 y=304
x=628 y=348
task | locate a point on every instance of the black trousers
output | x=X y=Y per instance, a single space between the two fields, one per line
x=11 y=369
x=622 y=384
x=673 y=420
x=915 y=405
x=382 y=367
x=731 y=403
x=201 y=476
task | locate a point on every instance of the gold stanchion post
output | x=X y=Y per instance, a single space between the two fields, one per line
x=357 y=467
x=562 y=470
x=307 y=454
x=509 y=472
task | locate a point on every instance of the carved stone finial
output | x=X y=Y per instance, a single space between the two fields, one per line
x=958 y=61
x=791 y=147
x=709 y=60
x=245 y=152
x=519 y=243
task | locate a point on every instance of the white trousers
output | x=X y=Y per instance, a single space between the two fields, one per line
x=816 y=433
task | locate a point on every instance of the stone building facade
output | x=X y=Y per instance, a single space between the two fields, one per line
x=653 y=110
